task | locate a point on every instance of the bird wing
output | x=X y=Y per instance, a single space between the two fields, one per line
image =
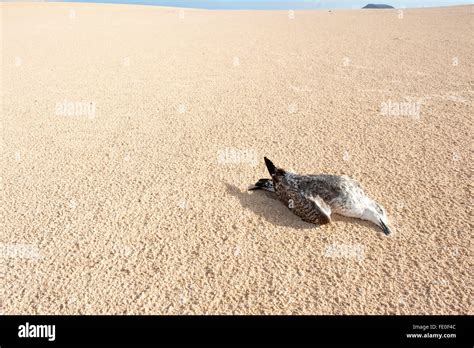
x=309 y=207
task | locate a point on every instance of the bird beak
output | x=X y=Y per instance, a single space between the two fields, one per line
x=252 y=187
x=384 y=228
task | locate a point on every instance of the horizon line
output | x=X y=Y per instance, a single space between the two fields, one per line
x=145 y=3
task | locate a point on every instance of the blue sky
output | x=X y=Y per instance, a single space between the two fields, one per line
x=283 y=4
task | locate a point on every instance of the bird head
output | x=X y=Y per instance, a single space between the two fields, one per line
x=376 y=214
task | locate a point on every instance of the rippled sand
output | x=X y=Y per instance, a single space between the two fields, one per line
x=130 y=135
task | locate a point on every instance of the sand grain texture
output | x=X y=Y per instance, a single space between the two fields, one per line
x=133 y=210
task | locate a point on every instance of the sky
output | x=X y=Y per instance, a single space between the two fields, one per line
x=284 y=4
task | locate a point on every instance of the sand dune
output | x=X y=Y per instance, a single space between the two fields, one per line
x=130 y=135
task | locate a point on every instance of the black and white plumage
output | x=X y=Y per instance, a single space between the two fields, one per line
x=315 y=197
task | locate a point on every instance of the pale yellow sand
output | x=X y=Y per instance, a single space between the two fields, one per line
x=137 y=209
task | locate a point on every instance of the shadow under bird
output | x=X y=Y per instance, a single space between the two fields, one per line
x=315 y=197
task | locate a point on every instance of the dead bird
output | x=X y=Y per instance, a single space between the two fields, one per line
x=315 y=197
